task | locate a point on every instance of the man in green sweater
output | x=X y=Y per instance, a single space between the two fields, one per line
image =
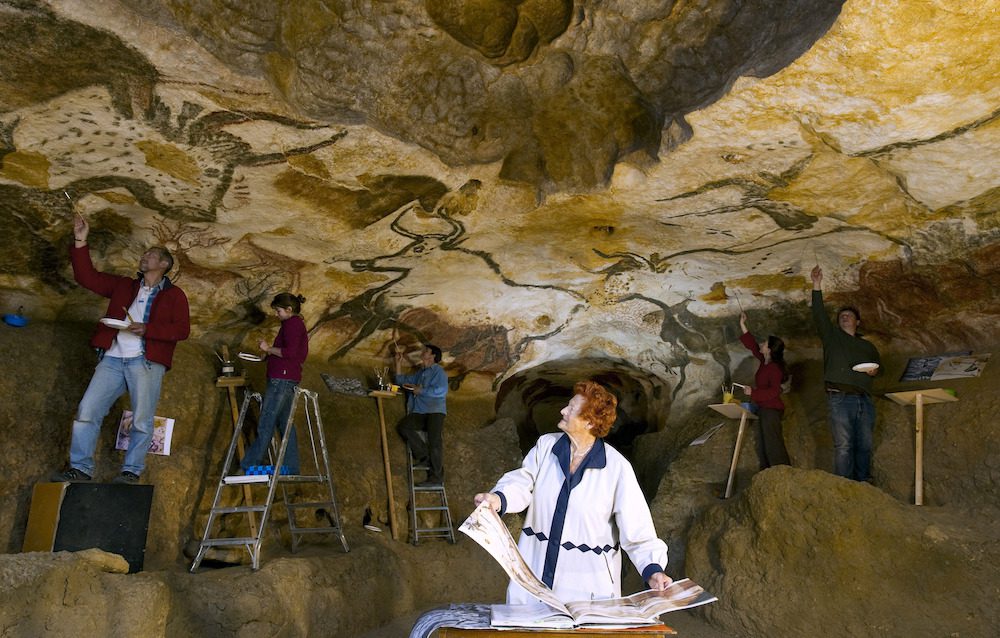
x=848 y=380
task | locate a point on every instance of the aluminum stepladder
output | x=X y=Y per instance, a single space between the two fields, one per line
x=439 y=498
x=257 y=524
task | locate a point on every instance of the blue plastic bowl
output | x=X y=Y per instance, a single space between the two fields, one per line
x=15 y=320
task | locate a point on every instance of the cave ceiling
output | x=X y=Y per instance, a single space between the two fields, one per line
x=519 y=182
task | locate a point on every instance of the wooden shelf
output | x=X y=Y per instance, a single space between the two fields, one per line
x=732 y=410
x=931 y=395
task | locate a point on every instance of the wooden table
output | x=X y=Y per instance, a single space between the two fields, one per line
x=734 y=411
x=378 y=395
x=652 y=631
x=919 y=398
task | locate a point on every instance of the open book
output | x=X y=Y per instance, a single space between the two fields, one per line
x=485 y=527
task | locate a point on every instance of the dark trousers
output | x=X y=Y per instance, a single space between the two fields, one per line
x=770 y=442
x=433 y=448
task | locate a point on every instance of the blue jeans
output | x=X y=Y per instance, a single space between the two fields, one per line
x=112 y=378
x=411 y=429
x=274 y=409
x=852 y=419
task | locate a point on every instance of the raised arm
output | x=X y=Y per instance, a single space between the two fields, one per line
x=747 y=339
x=823 y=324
x=83 y=268
x=817 y=277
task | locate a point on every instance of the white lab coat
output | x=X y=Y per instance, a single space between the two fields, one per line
x=602 y=508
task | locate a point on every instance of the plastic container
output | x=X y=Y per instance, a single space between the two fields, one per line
x=18 y=321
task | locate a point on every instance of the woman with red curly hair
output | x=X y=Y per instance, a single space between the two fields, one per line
x=583 y=507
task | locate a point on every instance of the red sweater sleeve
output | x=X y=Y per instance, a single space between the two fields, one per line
x=751 y=344
x=89 y=277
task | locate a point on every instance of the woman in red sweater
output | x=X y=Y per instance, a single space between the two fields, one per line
x=766 y=394
x=284 y=372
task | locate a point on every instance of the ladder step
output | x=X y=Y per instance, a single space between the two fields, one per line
x=238 y=509
x=220 y=542
x=324 y=504
x=301 y=478
x=431 y=509
x=320 y=474
x=315 y=530
x=244 y=480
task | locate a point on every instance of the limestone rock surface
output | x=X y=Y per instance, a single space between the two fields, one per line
x=548 y=190
x=520 y=182
x=804 y=550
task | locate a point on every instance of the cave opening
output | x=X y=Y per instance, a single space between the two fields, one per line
x=533 y=397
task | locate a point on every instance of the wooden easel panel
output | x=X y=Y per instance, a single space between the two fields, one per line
x=732 y=410
x=931 y=395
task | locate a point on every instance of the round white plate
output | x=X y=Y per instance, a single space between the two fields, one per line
x=246 y=356
x=111 y=322
x=865 y=367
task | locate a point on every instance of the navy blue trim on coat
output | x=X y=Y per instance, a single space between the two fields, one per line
x=597 y=459
x=503 y=503
x=651 y=569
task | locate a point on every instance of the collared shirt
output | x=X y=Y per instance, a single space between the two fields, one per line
x=433 y=384
x=128 y=344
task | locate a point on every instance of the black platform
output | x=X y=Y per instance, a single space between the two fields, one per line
x=75 y=516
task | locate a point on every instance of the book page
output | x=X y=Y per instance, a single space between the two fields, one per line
x=485 y=527
x=532 y=615
x=645 y=606
x=163 y=433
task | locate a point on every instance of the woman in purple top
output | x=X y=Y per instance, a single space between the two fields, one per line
x=766 y=394
x=284 y=371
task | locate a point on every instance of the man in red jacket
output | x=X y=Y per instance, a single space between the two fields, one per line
x=132 y=359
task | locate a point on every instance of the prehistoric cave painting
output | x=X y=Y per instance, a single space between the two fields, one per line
x=33 y=245
x=513 y=77
x=483 y=349
x=180 y=239
x=425 y=232
x=685 y=334
x=792 y=240
x=43 y=56
x=184 y=176
x=206 y=134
